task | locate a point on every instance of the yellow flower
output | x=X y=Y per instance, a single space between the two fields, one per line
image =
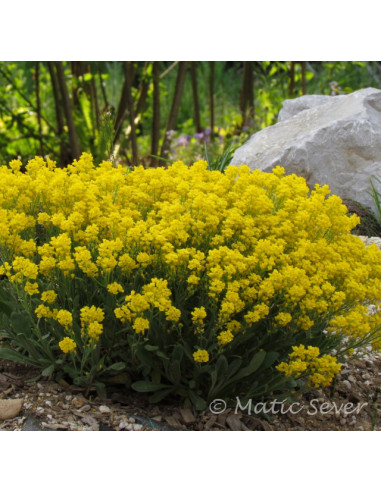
x=114 y=288
x=225 y=337
x=172 y=314
x=201 y=355
x=15 y=165
x=49 y=296
x=67 y=345
x=198 y=315
x=43 y=311
x=64 y=318
x=234 y=326
x=94 y=330
x=31 y=288
x=283 y=319
x=90 y=314
x=141 y=325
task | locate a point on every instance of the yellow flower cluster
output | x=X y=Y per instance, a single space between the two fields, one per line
x=64 y=318
x=155 y=294
x=49 y=296
x=67 y=345
x=91 y=321
x=201 y=355
x=225 y=337
x=247 y=246
x=320 y=369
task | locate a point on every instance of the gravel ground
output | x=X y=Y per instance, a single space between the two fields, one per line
x=46 y=405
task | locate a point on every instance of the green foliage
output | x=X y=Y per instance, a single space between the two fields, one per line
x=376 y=195
x=221 y=161
x=33 y=117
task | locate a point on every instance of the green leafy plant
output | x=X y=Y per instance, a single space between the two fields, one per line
x=376 y=195
x=221 y=161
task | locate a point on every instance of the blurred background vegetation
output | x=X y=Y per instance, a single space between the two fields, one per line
x=151 y=112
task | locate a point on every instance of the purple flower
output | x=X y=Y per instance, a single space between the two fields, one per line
x=198 y=136
x=183 y=140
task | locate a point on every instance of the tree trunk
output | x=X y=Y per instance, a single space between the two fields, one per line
x=304 y=84
x=196 y=108
x=123 y=103
x=143 y=91
x=104 y=95
x=68 y=110
x=130 y=107
x=156 y=113
x=175 y=106
x=211 y=98
x=291 y=86
x=94 y=98
x=247 y=93
x=38 y=107
x=64 y=153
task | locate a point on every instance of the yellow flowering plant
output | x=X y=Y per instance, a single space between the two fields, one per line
x=197 y=283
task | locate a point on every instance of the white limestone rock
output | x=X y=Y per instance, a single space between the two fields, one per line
x=371 y=240
x=291 y=107
x=334 y=140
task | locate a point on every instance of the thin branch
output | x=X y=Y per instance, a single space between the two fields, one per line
x=171 y=67
x=31 y=131
x=175 y=107
x=26 y=99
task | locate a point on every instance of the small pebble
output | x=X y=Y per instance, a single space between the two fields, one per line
x=104 y=409
x=347 y=384
x=85 y=408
